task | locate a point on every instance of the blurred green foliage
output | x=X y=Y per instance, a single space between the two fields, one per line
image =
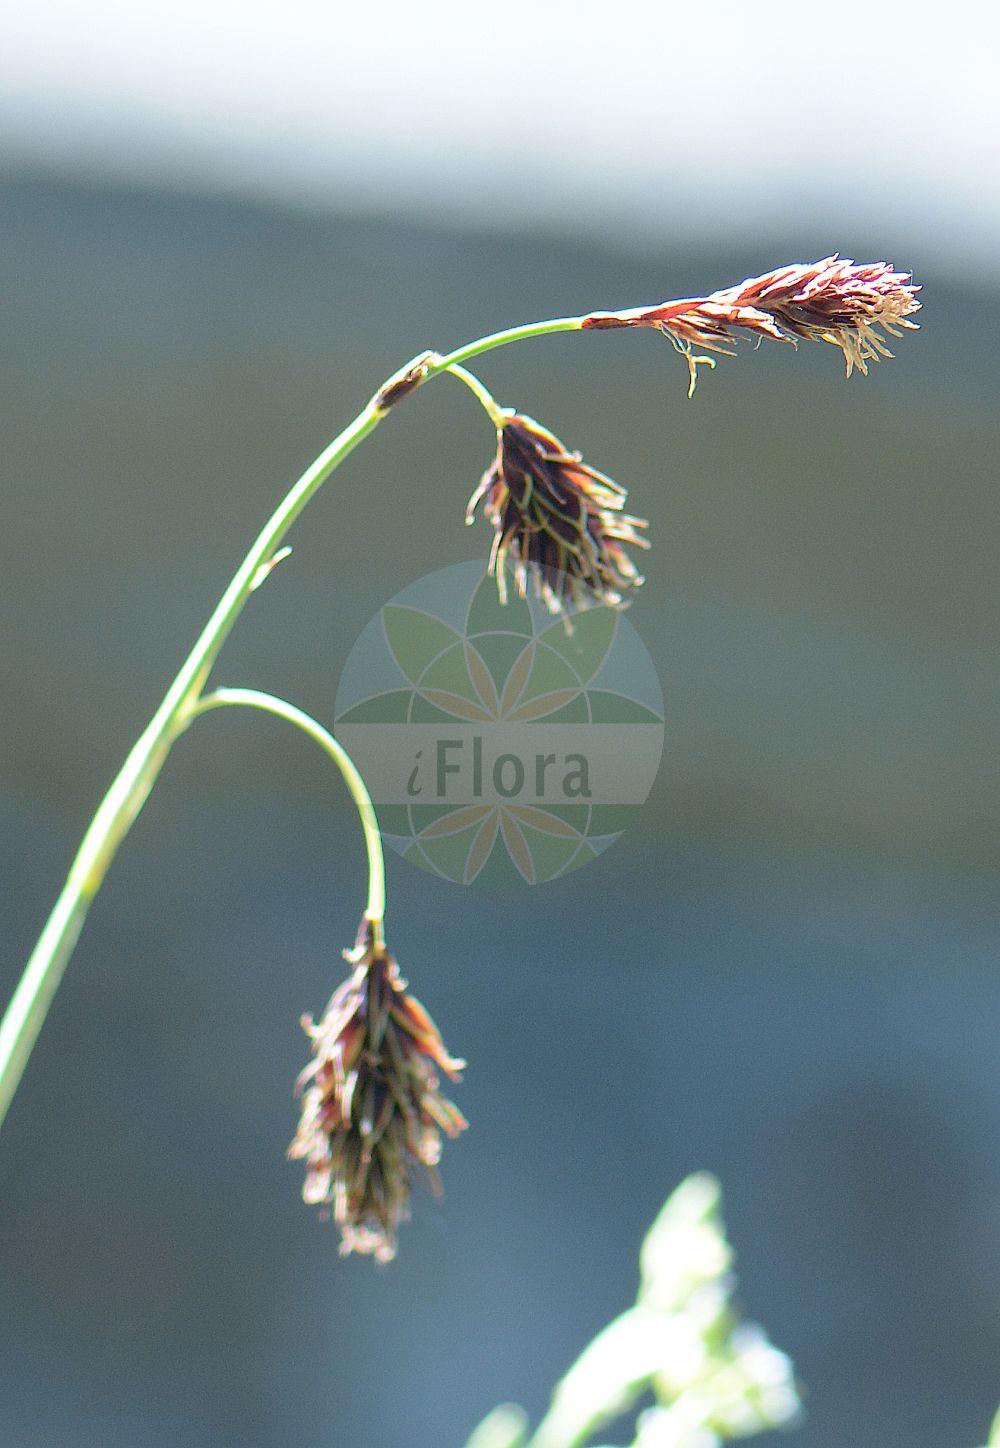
x=714 y=1377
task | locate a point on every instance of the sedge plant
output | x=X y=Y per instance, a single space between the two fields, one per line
x=372 y=1105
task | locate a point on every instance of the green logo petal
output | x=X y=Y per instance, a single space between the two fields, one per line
x=488 y=615
x=415 y=638
x=588 y=644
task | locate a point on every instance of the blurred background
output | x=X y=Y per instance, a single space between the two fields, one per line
x=221 y=226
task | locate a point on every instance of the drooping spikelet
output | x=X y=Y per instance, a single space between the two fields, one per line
x=371 y=1106
x=556 y=519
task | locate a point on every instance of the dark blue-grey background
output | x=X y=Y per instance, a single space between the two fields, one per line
x=787 y=972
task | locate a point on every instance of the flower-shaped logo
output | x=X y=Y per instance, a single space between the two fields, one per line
x=500 y=746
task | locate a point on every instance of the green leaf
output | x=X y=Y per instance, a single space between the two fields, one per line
x=994 y=1438
x=686 y=1247
x=715 y=1378
x=505 y=1427
x=604 y=1382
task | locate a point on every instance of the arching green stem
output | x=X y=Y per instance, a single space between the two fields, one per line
x=489 y=403
x=502 y=339
x=118 y=810
x=254 y=699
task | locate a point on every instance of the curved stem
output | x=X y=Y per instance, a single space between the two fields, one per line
x=254 y=699
x=121 y=805
x=502 y=339
x=118 y=810
x=486 y=399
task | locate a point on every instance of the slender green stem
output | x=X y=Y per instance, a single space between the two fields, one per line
x=554 y=1432
x=489 y=403
x=254 y=699
x=501 y=339
x=118 y=810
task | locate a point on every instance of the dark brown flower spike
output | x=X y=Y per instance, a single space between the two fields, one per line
x=372 y=1105
x=834 y=300
x=556 y=519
